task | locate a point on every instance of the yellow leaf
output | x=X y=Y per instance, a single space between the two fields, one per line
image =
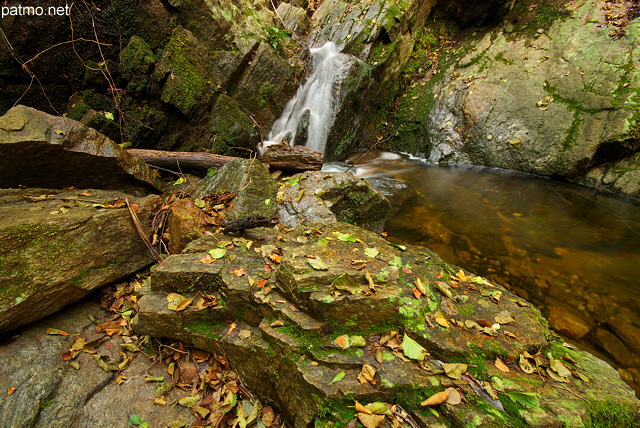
x=360 y=408
x=437 y=398
x=454 y=397
x=183 y=305
x=440 y=319
x=454 y=370
x=367 y=374
x=370 y=421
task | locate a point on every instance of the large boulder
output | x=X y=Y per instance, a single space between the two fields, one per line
x=558 y=103
x=320 y=197
x=301 y=312
x=40 y=150
x=58 y=246
x=249 y=182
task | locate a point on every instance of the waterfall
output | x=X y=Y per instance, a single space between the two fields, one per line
x=308 y=116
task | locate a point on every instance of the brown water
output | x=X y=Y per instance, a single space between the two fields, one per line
x=573 y=252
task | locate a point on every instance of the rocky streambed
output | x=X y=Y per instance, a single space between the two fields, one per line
x=320 y=317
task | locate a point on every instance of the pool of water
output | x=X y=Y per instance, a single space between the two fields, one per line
x=572 y=251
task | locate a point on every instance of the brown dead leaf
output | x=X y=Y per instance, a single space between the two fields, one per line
x=231 y=328
x=182 y=305
x=277 y=323
x=239 y=272
x=367 y=374
x=500 y=365
x=416 y=293
x=525 y=365
x=454 y=397
x=11 y=390
x=268 y=416
x=207 y=259
x=342 y=341
x=508 y=333
x=262 y=282
x=276 y=257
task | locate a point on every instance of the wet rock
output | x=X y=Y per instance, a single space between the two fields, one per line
x=616 y=348
x=568 y=322
x=328 y=197
x=396 y=191
x=50 y=393
x=250 y=181
x=302 y=133
x=57 y=246
x=40 y=150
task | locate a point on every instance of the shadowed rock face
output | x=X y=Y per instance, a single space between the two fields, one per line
x=57 y=246
x=320 y=281
x=40 y=150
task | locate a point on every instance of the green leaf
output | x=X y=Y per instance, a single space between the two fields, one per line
x=400 y=247
x=345 y=237
x=109 y=115
x=125 y=145
x=317 y=264
x=293 y=182
x=371 y=252
x=199 y=203
x=413 y=349
x=144 y=425
x=179 y=181
x=217 y=253
x=397 y=262
x=267 y=202
x=338 y=377
x=322 y=242
x=135 y=420
x=189 y=401
x=357 y=341
x=212 y=171
x=57 y=331
x=526 y=399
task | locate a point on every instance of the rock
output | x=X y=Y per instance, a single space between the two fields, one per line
x=186 y=223
x=333 y=317
x=57 y=247
x=40 y=150
x=50 y=393
x=302 y=132
x=615 y=348
x=470 y=13
x=329 y=197
x=568 y=322
x=556 y=107
x=295 y=18
x=396 y=191
x=184 y=74
x=621 y=176
x=250 y=181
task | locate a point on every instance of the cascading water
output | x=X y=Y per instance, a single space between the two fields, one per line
x=308 y=116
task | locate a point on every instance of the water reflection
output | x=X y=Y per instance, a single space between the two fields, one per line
x=572 y=251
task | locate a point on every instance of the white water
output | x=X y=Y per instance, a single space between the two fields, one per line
x=318 y=95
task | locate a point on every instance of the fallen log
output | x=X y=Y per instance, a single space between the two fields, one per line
x=292 y=158
x=181 y=160
x=296 y=158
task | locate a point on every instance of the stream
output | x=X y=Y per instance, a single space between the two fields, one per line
x=573 y=252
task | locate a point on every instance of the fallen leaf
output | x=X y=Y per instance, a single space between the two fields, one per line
x=371 y=252
x=454 y=397
x=183 y=305
x=337 y=378
x=231 y=328
x=527 y=399
x=370 y=421
x=500 y=365
x=218 y=253
x=367 y=374
x=525 y=365
x=342 y=341
x=268 y=416
x=317 y=264
x=454 y=370
x=207 y=259
x=413 y=349
x=362 y=409
x=437 y=398
x=440 y=319
x=444 y=288
x=11 y=390
x=189 y=401
x=56 y=331
x=239 y=272
x=503 y=317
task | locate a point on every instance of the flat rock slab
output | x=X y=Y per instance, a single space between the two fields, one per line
x=41 y=150
x=57 y=246
x=50 y=393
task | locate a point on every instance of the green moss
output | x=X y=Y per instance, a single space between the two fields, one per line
x=265 y=94
x=608 y=413
x=409 y=397
x=206 y=328
x=136 y=57
x=467 y=310
x=530 y=15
